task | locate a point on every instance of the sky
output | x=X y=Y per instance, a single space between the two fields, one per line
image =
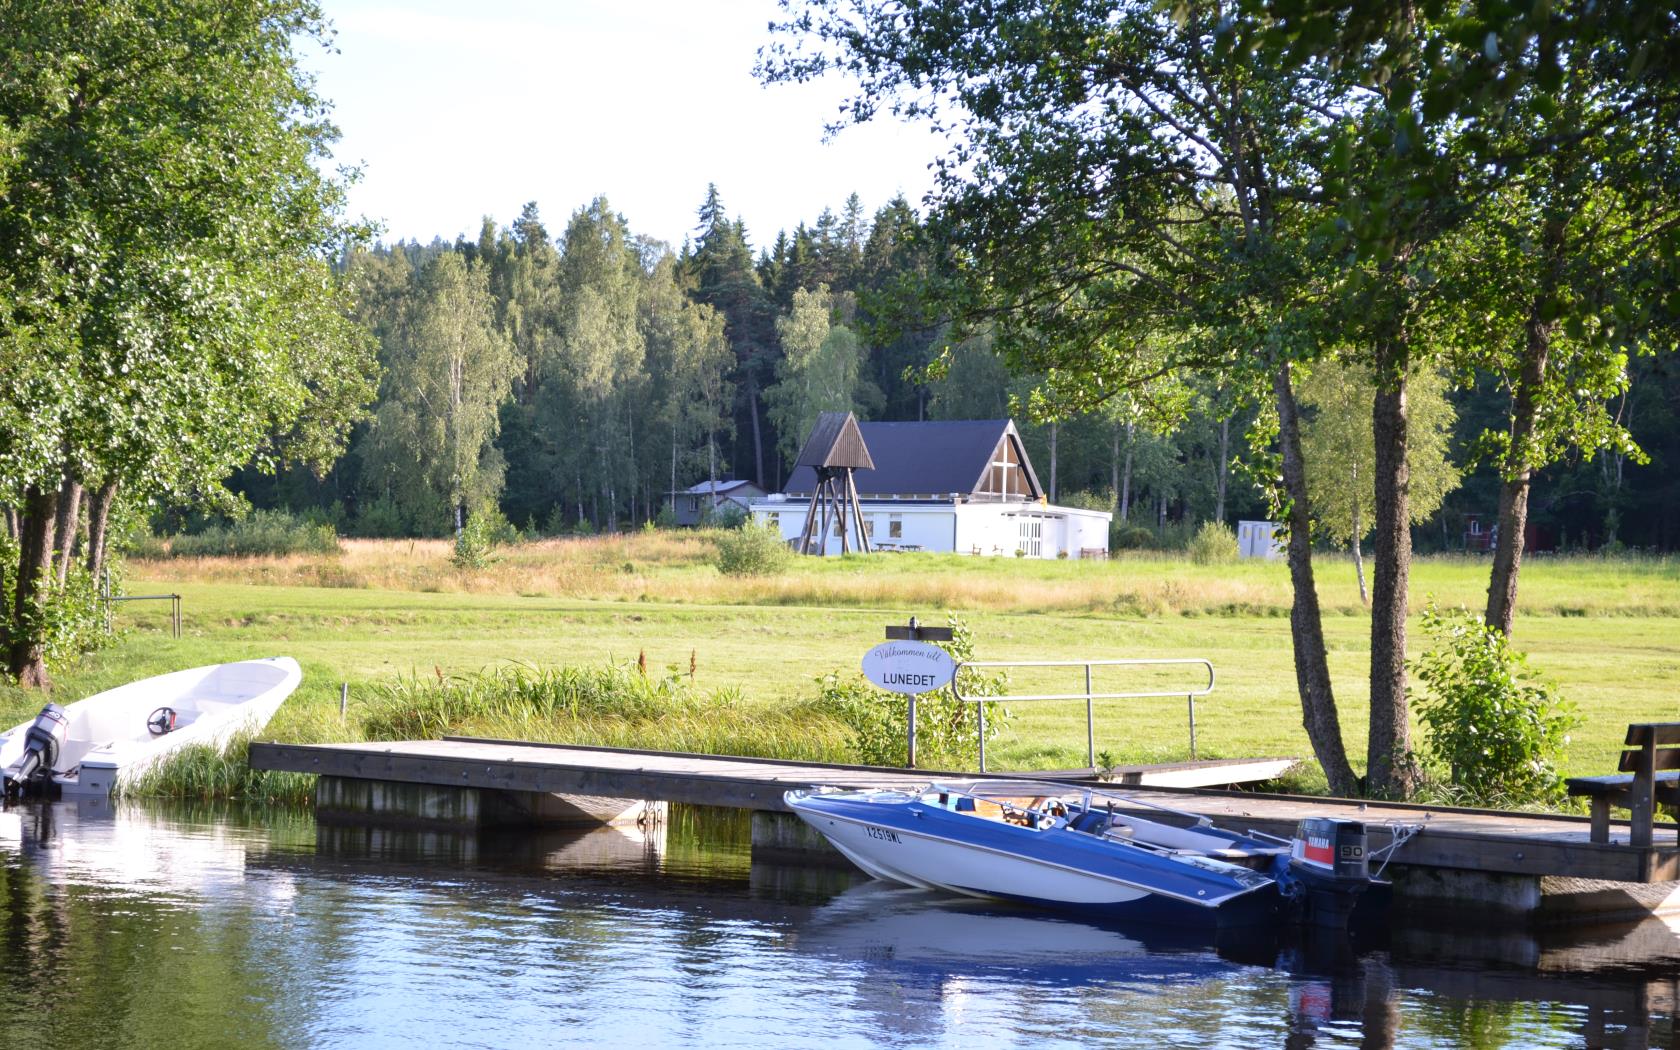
x=454 y=111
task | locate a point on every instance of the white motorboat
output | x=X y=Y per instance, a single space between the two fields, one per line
x=1075 y=847
x=94 y=745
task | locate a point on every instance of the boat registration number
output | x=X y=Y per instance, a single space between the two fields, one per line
x=880 y=833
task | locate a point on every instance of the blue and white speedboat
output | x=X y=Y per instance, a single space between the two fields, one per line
x=1072 y=847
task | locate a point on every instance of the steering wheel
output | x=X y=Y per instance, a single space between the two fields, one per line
x=161 y=721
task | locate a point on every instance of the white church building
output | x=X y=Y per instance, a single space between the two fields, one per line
x=964 y=486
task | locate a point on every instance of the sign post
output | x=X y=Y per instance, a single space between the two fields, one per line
x=906 y=663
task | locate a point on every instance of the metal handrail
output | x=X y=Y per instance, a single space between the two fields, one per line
x=1088 y=695
x=111 y=600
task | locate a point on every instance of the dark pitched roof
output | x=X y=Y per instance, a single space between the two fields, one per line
x=835 y=442
x=723 y=486
x=931 y=458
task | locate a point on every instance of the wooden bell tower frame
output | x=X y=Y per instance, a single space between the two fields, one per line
x=833 y=451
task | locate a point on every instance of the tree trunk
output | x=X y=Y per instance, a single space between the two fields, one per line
x=11 y=516
x=1055 y=433
x=758 y=436
x=1114 y=474
x=64 y=528
x=1517 y=475
x=1126 y=477
x=1359 y=548
x=1306 y=625
x=1359 y=571
x=1389 y=769
x=99 y=521
x=25 y=658
x=1223 y=473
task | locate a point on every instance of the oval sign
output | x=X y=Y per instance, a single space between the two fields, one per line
x=908 y=667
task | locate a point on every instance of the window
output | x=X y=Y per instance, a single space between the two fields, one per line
x=895 y=526
x=869 y=527
x=773 y=519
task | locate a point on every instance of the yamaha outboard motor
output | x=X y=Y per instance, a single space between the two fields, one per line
x=42 y=742
x=1329 y=867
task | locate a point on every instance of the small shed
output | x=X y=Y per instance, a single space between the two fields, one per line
x=1258 y=539
x=696 y=503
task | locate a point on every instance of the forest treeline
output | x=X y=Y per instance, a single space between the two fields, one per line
x=572 y=379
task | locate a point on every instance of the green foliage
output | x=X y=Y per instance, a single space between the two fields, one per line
x=753 y=550
x=425 y=706
x=1340 y=451
x=430 y=447
x=1126 y=537
x=202 y=773
x=68 y=620
x=485 y=530
x=947 y=731
x=381 y=518
x=1498 y=730
x=73 y=622
x=820 y=372
x=1213 y=544
x=260 y=533
x=615 y=705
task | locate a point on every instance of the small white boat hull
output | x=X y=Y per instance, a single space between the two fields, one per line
x=108 y=743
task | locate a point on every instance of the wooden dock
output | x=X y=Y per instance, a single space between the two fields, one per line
x=1470 y=857
x=667 y=776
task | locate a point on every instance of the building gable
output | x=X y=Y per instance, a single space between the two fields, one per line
x=966 y=459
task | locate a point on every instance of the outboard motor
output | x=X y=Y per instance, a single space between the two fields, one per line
x=42 y=742
x=1330 y=869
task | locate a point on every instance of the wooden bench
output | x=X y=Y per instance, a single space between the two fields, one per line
x=1650 y=776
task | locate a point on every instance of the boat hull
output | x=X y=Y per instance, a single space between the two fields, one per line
x=902 y=839
x=109 y=745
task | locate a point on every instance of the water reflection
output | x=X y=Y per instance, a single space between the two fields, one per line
x=146 y=927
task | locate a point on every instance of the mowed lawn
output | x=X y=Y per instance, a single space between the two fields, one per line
x=1606 y=631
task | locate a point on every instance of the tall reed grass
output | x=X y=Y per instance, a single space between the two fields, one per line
x=613 y=706
x=200 y=773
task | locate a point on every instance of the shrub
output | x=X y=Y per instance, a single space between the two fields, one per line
x=1213 y=544
x=752 y=550
x=484 y=531
x=71 y=618
x=143 y=543
x=730 y=517
x=1495 y=727
x=946 y=729
x=1099 y=499
x=380 y=518
x=1131 y=537
x=260 y=533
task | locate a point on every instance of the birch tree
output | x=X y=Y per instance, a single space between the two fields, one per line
x=1341 y=454
x=448 y=370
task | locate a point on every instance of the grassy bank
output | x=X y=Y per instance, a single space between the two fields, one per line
x=384 y=611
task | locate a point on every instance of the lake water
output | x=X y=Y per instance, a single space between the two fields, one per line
x=225 y=928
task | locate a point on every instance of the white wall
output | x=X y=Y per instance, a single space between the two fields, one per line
x=1258 y=539
x=922 y=526
x=967 y=528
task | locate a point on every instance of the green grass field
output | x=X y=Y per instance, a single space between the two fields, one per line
x=1608 y=632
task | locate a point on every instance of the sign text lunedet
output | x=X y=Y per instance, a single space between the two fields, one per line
x=908 y=667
